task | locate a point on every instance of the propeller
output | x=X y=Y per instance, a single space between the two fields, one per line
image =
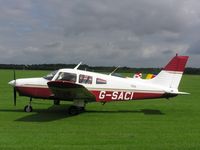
x=14 y=89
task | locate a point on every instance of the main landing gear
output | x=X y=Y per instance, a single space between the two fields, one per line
x=75 y=110
x=28 y=108
x=77 y=107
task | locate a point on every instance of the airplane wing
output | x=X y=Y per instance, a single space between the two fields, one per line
x=66 y=90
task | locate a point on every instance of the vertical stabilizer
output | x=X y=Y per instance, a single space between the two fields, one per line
x=171 y=74
x=177 y=64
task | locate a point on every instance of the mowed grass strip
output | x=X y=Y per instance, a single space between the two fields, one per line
x=151 y=124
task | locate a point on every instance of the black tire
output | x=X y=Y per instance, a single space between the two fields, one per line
x=28 y=108
x=73 y=110
x=81 y=109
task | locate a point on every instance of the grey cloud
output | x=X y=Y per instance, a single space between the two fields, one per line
x=136 y=33
x=139 y=17
x=194 y=48
x=53 y=45
x=167 y=52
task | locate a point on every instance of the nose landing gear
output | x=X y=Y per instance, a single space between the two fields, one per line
x=28 y=108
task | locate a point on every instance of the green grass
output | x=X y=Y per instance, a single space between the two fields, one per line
x=144 y=125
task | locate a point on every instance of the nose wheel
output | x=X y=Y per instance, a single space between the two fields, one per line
x=28 y=108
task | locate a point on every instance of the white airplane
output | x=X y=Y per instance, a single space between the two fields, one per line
x=82 y=87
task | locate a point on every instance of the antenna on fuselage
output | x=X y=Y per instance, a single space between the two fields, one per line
x=78 y=66
x=114 y=70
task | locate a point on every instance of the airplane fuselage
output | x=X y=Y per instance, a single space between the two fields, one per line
x=104 y=87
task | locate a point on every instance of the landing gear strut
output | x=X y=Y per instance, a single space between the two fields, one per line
x=28 y=108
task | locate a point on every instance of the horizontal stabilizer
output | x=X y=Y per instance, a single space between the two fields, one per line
x=181 y=93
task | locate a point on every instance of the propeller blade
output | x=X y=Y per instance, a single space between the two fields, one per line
x=14 y=89
x=15 y=95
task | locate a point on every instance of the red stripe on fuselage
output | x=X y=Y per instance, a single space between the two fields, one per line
x=101 y=96
x=36 y=92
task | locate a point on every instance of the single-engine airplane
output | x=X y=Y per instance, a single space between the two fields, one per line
x=82 y=87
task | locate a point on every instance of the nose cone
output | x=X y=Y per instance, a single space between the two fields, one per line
x=12 y=83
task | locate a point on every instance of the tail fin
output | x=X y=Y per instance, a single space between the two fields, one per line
x=171 y=74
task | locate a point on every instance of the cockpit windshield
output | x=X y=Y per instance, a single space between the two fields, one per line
x=50 y=75
x=67 y=76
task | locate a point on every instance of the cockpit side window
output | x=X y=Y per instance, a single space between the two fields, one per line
x=67 y=76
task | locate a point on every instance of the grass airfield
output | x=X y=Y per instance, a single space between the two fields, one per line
x=150 y=124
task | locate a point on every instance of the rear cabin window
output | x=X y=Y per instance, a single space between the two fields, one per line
x=67 y=76
x=101 y=81
x=85 y=79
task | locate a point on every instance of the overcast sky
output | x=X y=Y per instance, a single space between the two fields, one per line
x=134 y=33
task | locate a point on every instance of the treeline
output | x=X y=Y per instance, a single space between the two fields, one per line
x=90 y=68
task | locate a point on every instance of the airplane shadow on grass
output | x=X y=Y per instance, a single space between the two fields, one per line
x=60 y=112
x=144 y=111
x=42 y=115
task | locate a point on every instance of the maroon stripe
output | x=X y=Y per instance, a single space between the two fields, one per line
x=107 y=96
x=35 y=92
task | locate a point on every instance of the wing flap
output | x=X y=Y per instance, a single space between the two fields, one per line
x=66 y=90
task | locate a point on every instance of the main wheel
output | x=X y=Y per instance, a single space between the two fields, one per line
x=73 y=110
x=28 y=108
x=81 y=109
